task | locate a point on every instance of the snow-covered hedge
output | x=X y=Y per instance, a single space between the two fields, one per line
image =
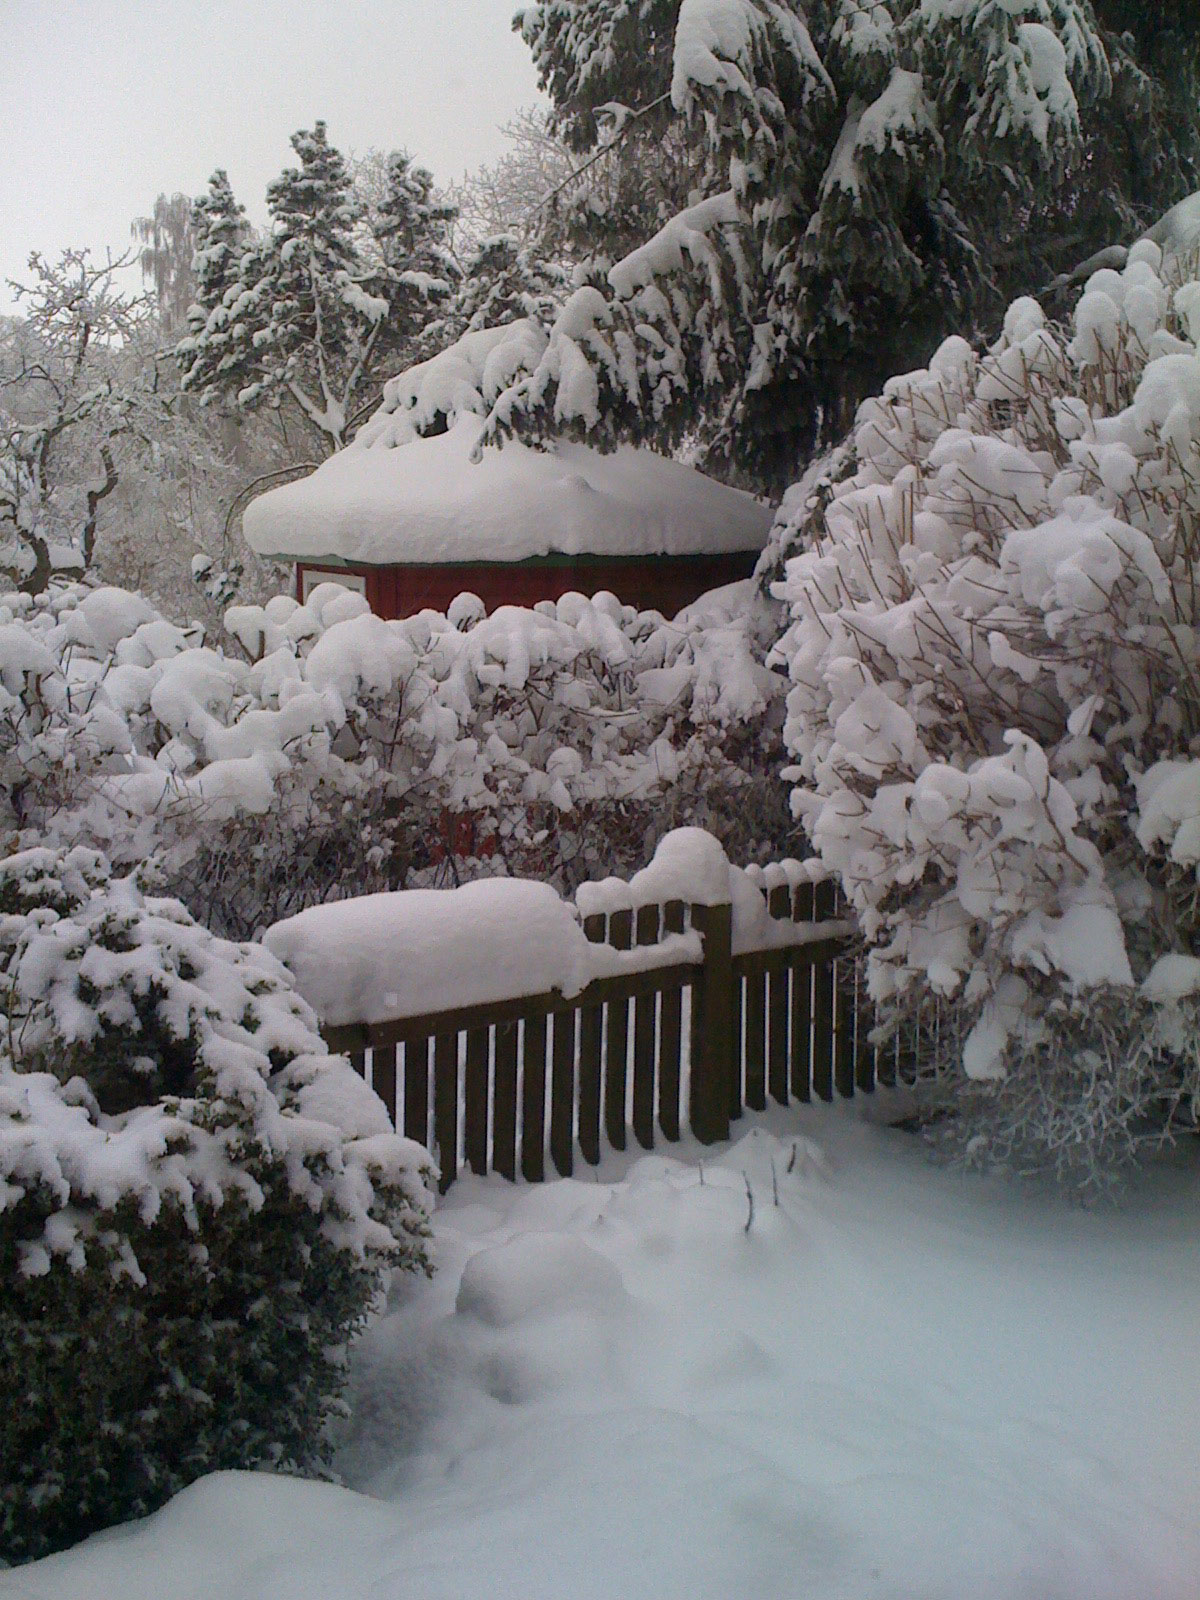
x=995 y=705
x=317 y=750
x=197 y=1204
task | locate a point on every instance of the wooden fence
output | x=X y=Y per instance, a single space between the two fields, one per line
x=499 y=1086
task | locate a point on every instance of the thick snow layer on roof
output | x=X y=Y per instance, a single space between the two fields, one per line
x=427 y=502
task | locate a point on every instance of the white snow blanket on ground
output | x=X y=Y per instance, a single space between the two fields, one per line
x=898 y=1381
x=426 y=501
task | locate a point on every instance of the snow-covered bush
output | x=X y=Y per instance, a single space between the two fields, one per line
x=197 y=1205
x=995 y=709
x=317 y=751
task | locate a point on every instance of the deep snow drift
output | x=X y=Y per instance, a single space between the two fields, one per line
x=898 y=1382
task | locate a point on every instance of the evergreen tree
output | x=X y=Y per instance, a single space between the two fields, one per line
x=314 y=322
x=860 y=175
x=313 y=316
x=216 y=355
x=417 y=273
x=503 y=280
x=219 y=234
x=412 y=223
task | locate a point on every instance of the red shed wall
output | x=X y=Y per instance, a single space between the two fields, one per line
x=659 y=583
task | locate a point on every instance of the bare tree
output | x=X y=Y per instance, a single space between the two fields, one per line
x=506 y=196
x=168 y=245
x=62 y=409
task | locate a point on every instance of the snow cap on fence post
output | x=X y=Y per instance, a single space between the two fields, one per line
x=691 y=865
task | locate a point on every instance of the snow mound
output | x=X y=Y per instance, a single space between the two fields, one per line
x=424 y=950
x=535 y=1273
x=429 y=501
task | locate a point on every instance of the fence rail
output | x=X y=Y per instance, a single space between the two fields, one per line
x=504 y=1086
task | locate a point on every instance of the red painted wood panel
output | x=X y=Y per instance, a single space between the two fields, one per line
x=659 y=583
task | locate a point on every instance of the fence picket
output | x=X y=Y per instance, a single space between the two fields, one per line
x=756 y=1041
x=670 y=1032
x=822 y=1005
x=616 y=1043
x=779 y=903
x=645 y=1009
x=715 y=1044
x=416 y=1089
x=504 y=1105
x=736 y=1091
x=475 y=1100
x=562 y=1094
x=383 y=1076
x=445 y=1106
x=843 y=1036
x=800 y=1029
x=533 y=1099
x=866 y=1056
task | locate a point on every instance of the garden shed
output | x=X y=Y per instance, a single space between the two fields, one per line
x=413 y=523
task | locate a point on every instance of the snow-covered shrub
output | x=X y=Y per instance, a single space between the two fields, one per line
x=197 y=1205
x=994 y=651
x=315 y=750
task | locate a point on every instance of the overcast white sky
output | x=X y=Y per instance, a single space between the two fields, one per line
x=107 y=103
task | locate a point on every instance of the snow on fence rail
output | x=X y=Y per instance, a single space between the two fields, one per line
x=499 y=1023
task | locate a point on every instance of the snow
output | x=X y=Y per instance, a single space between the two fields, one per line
x=711 y=37
x=993 y=562
x=424 y=950
x=427 y=502
x=417 y=951
x=1178 y=230
x=717 y=43
x=533 y=1273
x=897 y=1381
x=1086 y=944
x=689 y=865
x=465 y=378
x=900 y=111
x=1172 y=978
x=687 y=231
x=1047 y=66
x=1169 y=809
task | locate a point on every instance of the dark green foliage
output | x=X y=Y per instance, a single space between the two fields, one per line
x=900 y=171
x=217 y=354
x=115 y=1395
x=186 y=1244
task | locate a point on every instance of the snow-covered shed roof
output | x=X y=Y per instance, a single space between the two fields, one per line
x=425 y=502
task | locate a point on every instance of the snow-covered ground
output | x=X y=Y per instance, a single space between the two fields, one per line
x=899 y=1381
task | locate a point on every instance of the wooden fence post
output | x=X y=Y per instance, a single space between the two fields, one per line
x=712 y=1044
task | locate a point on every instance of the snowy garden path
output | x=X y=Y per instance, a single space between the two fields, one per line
x=899 y=1382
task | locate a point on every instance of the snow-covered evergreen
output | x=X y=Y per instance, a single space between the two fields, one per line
x=815 y=196
x=216 y=353
x=197 y=1204
x=306 y=315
